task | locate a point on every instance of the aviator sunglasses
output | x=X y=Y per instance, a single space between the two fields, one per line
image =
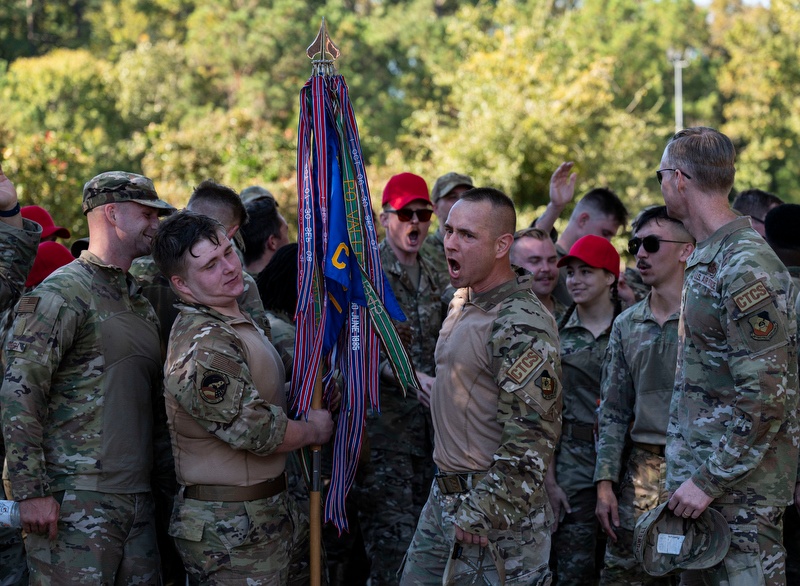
x=651 y=244
x=406 y=215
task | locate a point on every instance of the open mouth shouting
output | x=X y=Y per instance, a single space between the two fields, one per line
x=413 y=236
x=454 y=267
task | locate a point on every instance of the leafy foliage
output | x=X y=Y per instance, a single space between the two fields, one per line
x=504 y=90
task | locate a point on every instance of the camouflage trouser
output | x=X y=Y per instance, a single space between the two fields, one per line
x=102 y=539
x=641 y=489
x=249 y=543
x=524 y=548
x=575 y=541
x=756 y=555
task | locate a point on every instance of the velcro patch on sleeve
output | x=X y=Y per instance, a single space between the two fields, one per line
x=524 y=366
x=27 y=304
x=750 y=296
x=225 y=364
x=213 y=387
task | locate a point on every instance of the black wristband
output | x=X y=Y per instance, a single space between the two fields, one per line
x=10 y=213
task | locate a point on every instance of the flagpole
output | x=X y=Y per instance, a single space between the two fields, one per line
x=318 y=52
x=315 y=498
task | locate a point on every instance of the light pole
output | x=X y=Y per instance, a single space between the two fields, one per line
x=679 y=59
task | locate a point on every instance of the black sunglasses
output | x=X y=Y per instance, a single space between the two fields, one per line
x=406 y=215
x=659 y=175
x=651 y=244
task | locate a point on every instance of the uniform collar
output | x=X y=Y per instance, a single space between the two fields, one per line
x=641 y=312
x=198 y=309
x=706 y=250
x=131 y=283
x=488 y=299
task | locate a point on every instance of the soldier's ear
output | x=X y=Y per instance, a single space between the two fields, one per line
x=686 y=251
x=179 y=284
x=503 y=244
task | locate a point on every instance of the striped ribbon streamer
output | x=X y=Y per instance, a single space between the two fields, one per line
x=329 y=161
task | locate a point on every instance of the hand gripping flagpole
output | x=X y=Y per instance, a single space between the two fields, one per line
x=345 y=305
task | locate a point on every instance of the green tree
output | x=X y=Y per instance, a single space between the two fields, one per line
x=761 y=84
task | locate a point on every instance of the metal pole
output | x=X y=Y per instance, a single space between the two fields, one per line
x=679 y=65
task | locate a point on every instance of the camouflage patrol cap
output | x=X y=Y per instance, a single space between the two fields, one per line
x=254 y=192
x=117 y=186
x=447 y=183
x=473 y=564
x=667 y=544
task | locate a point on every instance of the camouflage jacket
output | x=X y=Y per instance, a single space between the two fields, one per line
x=156 y=288
x=207 y=373
x=795 y=273
x=636 y=385
x=581 y=363
x=500 y=348
x=17 y=252
x=733 y=418
x=77 y=399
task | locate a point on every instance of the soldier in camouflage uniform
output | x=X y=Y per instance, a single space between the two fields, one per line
x=733 y=433
x=18 y=240
x=233 y=520
x=636 y=387
x=84 y=366
x=496 y=406
x=399 y=476
x=446 y=191
x=534 y=251
x=592 y=272
x=223 y=204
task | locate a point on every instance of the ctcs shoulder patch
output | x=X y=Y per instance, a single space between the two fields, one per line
x=763 y=327
x=213 y=387
x=524 y=366
x=750 y=296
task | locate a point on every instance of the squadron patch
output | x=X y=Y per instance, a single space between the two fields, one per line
x=763 y=327
x=547 y=385
x=524 y=366
x=213 y=387
x=750 y=296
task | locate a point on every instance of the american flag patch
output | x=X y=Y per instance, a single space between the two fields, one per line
x=27 y=304
x=225 y=364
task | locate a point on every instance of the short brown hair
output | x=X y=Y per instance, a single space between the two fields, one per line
x=706 y=155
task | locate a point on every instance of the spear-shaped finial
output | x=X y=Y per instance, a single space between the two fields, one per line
x=323 y=52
